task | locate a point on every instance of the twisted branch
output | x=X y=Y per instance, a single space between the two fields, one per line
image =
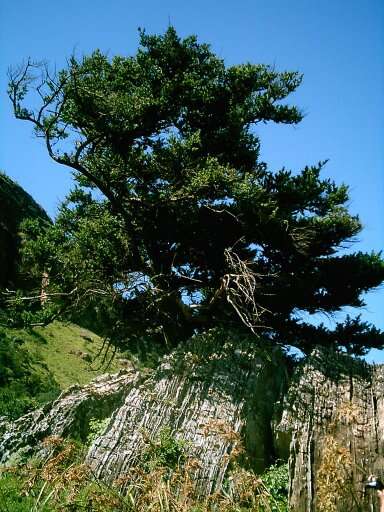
x=242 y=285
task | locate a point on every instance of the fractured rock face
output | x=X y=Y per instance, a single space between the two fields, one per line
x=214 y=393
x=334 y=415
x=207 y=394
x=67 y=416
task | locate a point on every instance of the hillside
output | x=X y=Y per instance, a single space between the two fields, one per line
x=16 y=206
x=38 y=363
x=69 y=352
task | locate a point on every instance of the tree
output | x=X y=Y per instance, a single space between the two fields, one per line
x=175 y=225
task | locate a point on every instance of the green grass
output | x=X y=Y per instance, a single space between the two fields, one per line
x=12 y=498
x=69 y=352
x=37 y=364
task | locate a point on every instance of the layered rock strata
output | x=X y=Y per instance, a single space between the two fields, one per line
x=68 y=416
x=213 y=394
x=219 y=395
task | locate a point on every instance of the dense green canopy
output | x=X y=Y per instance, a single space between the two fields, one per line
x=176 y=226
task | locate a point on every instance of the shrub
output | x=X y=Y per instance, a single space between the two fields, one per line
x=165 y=451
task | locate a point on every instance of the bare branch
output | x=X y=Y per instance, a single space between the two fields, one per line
x=223 y=210
x=46 y=120
x=241 y=286
x=42 y=297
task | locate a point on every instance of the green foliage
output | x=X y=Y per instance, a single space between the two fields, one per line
x=18 y=313
x=275 y=480
x=37 y=364
x=96 y=428
x=16 y=205
x=176 y=226
x=12 y=498
x=165 y=451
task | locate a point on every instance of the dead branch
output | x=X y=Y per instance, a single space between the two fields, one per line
x=242 y=285
x=49 y=124
x=223 y=210
x=43 y=296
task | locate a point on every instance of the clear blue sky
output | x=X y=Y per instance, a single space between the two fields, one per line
x=337 y=44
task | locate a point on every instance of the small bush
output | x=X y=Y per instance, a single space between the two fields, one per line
x=275 y=480
x=14 y=402
x=166 y=452
x=96 y=428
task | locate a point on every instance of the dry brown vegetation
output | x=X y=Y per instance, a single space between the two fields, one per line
x=334 y=482
x=64 y=483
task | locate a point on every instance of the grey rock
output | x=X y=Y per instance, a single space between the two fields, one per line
x=335 y=405
x=209 y=397
x=67 y=416
x=216 y=393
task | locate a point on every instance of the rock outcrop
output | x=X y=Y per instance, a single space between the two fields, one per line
x=217 y=394
x=211 y=393
x=334 y=417
x=68 y=416
x=214 y=393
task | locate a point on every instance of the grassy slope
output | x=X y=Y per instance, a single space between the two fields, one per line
x=60 y=348
x=37 y=364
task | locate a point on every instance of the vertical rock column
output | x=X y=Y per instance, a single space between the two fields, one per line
x=208 y=394
x=334 y=415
